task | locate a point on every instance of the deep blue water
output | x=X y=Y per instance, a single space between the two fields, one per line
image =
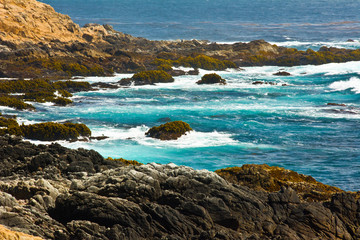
x=289 y=126
x=222 y=20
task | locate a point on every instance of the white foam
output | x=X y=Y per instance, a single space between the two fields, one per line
x=353 y=84
x=338 y=44
x=327 y=69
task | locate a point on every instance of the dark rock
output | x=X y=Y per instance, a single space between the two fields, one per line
x=336 y=104
x=211 y=78
x=282 y=73
x=104 y=85
x=156 y=201
x=261 y=83
x=193 y=72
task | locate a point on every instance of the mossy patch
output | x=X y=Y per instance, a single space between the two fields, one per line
x=169 y=131
x=271 y=179
x=38 y=90
x=211 y=78
x=125 y=162
x=51 y=131
x=199 y=61
x=148 y=78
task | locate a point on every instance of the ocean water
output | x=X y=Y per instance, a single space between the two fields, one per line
x=288 y=124
x=296 y=23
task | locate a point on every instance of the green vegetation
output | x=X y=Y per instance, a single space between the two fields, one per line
x=51 y=131
x=72 y=68
x=38 y=90
x=293 y=57
x=125 y=162
x=169 y=131
x=200 y=61
x=152 y=76
x=48 y=131
x=271 y=179
x=9 y=126
x=211 y=78
x=14 y=102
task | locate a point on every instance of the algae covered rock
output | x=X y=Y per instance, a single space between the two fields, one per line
x=212 y=78
x=169 y=131
x=272 y=179
x=51 y=131
x=148 y=78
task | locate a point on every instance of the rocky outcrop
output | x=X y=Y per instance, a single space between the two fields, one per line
x=212 y=78
x=56 y=193
x=272 y=179
x=169 y=131
x=282 y=73
x=35 y=41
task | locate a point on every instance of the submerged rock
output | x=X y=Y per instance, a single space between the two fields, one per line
x=169 y=131
x=211 y=78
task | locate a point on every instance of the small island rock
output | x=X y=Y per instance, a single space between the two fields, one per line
x=282 y=73
x=169 y=131
x=211 y=78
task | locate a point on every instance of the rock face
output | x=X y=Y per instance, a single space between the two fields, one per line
x=84 y=201
x=30 y=20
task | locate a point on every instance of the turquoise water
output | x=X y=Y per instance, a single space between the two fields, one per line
x=289 y=126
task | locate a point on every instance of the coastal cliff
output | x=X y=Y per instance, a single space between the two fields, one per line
x=36 y=41
x=56 y=193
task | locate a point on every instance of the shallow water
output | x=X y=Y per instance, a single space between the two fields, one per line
x=289 y=126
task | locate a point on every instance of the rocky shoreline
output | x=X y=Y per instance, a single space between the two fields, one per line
x=53 y=192
x=51 y=45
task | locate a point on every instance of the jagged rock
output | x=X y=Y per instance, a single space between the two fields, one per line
x=156 y=201
x=271 y=179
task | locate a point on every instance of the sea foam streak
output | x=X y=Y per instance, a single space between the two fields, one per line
x=353 y=84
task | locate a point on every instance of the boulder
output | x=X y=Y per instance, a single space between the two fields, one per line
x=282 y=73
x=212 y=78
x=169 y=131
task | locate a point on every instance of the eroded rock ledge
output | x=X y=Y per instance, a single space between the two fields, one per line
x=57 y=193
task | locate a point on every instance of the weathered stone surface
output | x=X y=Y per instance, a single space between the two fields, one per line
x=271 y=179
x=153 y=201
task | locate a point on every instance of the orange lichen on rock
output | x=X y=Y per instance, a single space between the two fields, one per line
x=6 y=234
